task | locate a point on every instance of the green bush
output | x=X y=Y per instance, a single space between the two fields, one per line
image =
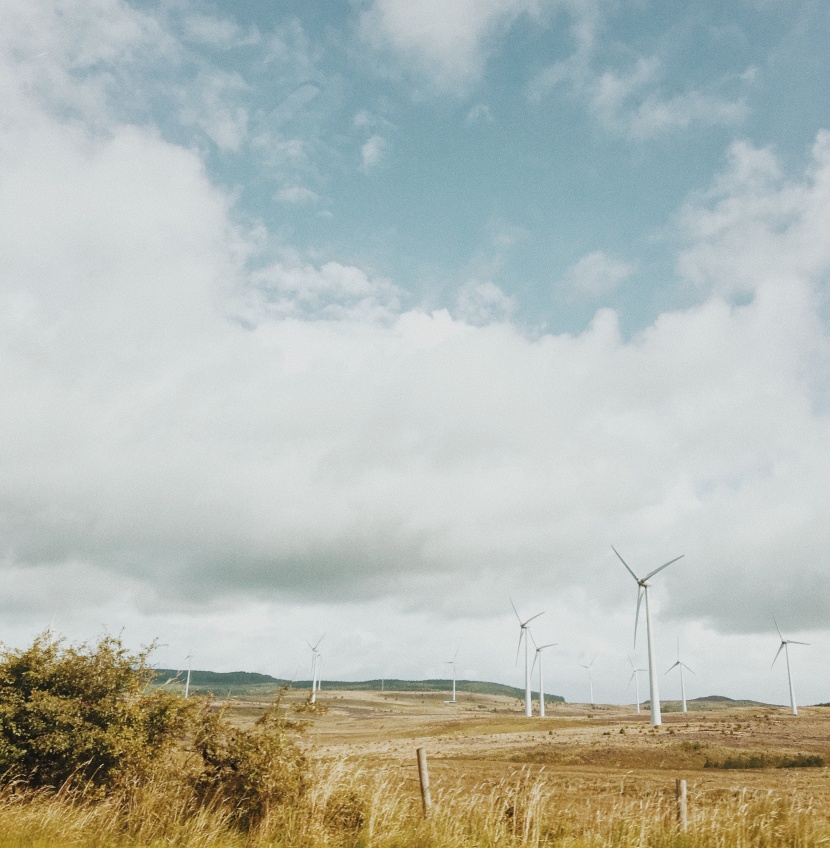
x=81 y=713
x=85 y=717
x=250 y=772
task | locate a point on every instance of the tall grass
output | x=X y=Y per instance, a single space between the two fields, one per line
x=346 y=807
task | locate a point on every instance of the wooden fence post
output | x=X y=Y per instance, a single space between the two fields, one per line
x=423 y=774
x=682 y=807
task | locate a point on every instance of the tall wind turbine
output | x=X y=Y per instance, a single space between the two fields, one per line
x=315 y=655
x=590 y=678
x=523 y=634
x=784 y=647
x=539 y=649
x=452 y=663
x=635 y=676
x=643 y=586
x=681 y=665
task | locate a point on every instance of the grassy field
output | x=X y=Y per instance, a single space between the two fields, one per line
x=577 y=778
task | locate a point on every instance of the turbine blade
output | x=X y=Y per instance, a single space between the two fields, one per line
x=516 y=611
x=625 y=564
x=640 y=593
x=781 y=635
x=664 y=565
x=780 y=648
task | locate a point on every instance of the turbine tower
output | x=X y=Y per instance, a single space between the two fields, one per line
x=523 y=634
x=784 y=647
x=643 y=586
x=315 y=657
x=452 y=663
x=590 y=678
x=635 y=677
x=539 y=649
x=681 y=665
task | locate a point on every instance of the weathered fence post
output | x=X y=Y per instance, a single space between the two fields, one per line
x=423 y=774
x=682 y=809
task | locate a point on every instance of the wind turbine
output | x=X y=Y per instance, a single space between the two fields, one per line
x=452 y=663
x=681 y=665
x=634 y=676
x=315 y=655
x=590 y=678
x=523 y=633
x=643 y=586
x=539 y=649
x=783 y=647
x=189 y=659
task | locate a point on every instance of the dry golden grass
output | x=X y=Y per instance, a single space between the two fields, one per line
x=577 y=779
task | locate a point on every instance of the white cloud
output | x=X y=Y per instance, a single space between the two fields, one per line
x=635 y=100
x=296 y=194
x=754 y=227
x=373 y=152
x=215 y=110
x=448 y=40
x=292 y=287
x=479 y=114
x=596 y=275
x=217 y=32
x=484 y=302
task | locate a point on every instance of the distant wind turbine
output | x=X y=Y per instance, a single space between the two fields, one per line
x=643 y=586
x=189 y=659
x=523 y=634
x=590 y=678
x=784 y=647
x=681 y=665
x=635 y=677
x=315 y=662
x=452 y=663
x=539 y=649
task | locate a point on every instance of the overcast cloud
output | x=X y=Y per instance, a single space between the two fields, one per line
x=215 y=434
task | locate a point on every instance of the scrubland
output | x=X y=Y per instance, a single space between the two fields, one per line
x=577 y=778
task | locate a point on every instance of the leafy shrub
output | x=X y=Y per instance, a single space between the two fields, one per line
x=250 y=772
x=81 y=712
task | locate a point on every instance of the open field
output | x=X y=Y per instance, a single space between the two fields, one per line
x=579 y=778
x=487 y=737
x=600 y=776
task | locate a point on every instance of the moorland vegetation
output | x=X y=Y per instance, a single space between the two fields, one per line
x=92 y=755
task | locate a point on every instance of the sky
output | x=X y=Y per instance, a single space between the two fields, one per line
x=363 y=318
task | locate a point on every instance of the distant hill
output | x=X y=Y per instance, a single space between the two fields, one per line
x=722 y=699
x=247 y=682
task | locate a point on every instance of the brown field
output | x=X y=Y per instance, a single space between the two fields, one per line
x=589 y=768
x=610 y=749
x=579 y=778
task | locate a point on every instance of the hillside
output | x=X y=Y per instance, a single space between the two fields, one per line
x=247 y=682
